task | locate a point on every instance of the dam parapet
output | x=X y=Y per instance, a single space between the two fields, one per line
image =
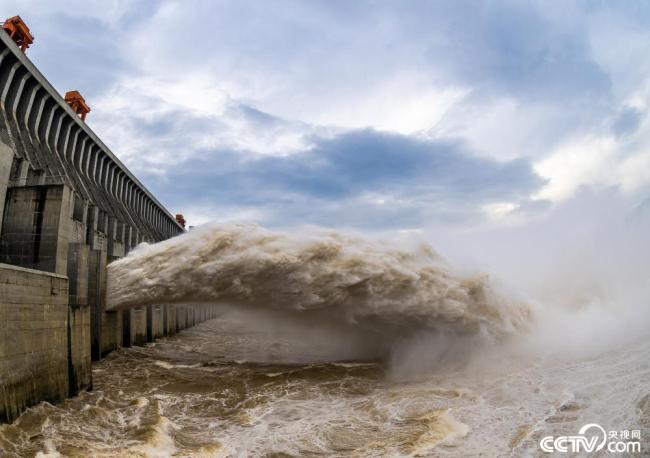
x=68 y=207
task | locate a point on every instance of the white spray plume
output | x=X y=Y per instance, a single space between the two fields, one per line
x=336 y=276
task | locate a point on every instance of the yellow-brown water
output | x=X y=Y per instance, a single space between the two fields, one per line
x=345 y=279
x=221 y=389
x=339 y=346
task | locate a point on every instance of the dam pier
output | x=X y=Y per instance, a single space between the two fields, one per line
x=68 y=207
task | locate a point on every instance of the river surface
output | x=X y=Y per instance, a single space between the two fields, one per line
x=222 y=389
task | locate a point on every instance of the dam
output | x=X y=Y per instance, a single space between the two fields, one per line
x=68 y=207
x=425 y=239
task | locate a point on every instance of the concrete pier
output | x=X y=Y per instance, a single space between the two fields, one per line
x=68 y=207
x=33 y=340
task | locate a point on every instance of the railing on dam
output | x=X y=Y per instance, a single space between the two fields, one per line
x=53 y=146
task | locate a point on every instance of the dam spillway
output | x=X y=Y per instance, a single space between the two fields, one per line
x=68 y=207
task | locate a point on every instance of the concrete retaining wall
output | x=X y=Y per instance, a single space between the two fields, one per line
x=68 y=207
x=53 y=321
x=157 y=324
x=34 y=357
x=79 y=361
x=111 y=332
x=138 y=326
x=35 y=231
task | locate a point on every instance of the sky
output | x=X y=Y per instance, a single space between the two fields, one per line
x=406 y=116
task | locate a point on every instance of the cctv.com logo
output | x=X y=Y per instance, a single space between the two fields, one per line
x=593 y=438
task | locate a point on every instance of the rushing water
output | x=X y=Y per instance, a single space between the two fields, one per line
x=221 y=389
x=345 y=279
x=331 y=345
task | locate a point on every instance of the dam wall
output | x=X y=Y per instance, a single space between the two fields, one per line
x=33 y=339
x=68 y=207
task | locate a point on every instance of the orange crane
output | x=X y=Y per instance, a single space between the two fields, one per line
x=19 y=32
x=77 y=103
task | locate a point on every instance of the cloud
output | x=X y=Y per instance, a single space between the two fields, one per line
x=360 y=178
x=361 y=112
x=155 y=122
x=596 y=161
x=77 y=43
x=628 y=121
x=584 y=161
x=524 y=50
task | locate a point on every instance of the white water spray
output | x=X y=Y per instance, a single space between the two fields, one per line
x=336 y=277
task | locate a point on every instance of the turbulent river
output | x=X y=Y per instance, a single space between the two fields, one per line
x=337 y=347
x=201 y=393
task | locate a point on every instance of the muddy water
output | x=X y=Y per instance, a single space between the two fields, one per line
x=221 y=389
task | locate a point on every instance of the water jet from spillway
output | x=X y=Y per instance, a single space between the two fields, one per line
x=336 y=276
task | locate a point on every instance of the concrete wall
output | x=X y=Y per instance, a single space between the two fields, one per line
x=33 y=339
x=138 y=326
x=35 y=229
x=53 y=320
x=155 y=322
x=181 y=317
x=6 y=160
x=79 y=361
x=171 y=320
x=68 y=207
x=78 y=264
x=111 y=332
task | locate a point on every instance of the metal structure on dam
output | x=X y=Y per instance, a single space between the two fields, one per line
x=68 y=207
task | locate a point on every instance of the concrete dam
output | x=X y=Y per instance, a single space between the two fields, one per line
x=68 y=207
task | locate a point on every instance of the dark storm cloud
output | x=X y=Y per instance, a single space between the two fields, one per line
x=413 y=181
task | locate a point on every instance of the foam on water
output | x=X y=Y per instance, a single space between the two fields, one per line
x=202 y=403
x=333 y=345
